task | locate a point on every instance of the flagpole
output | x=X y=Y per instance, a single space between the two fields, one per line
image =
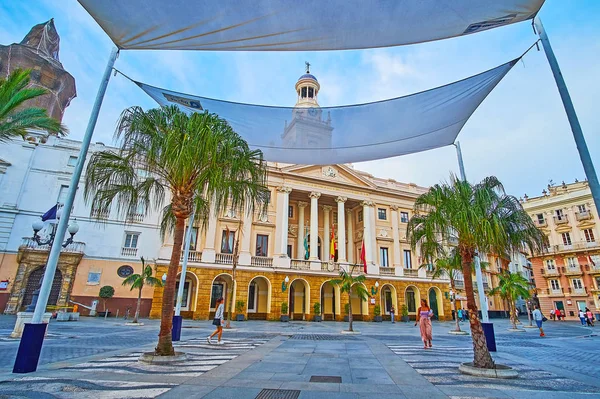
x=177 y=319
x=33 y=333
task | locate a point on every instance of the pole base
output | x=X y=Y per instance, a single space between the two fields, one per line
x=490 y=339
x=30 y=348
x=176 y=329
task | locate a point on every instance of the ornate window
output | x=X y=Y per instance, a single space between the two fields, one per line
x=124 y=271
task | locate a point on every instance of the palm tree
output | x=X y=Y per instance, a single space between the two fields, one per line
x=510 y=287
x=350 y=284
x=448 y=266
x=15 y=117
x=139 y=281
x=478 y=218
x=195 y=159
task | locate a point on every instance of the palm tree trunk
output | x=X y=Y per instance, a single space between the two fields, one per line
x=481 y=354
x=454 y=306
x=137 y=308
x=350 y=309
x=165 y=342
x=513 y=318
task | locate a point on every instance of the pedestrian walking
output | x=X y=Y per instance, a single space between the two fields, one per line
x=589 y=317
x=582 y=317
x=218 y=323
x=392 y=314
x=557 y=312
x=465 y=315
x=460 y=315
x=424 y=319
x=539 y=319
x=553 y=314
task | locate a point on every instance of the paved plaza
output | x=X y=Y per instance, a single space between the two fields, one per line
x=97 y=358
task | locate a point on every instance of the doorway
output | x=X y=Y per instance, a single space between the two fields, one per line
x=433 y=303
x=35 y=281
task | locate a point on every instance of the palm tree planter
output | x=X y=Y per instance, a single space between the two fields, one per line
x=351 y=284
x=239 y=308
x=285 y=317
x=480 y=217
x=317 y=309
x=510 y=287
x=194 y=160
x=15 y=117
x=377 y=312
x=139 y=281
x=404 y=313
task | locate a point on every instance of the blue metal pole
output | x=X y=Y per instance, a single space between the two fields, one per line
x=582 y=148
x=42 y=302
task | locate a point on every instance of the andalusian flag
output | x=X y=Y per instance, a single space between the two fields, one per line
x=306 y=254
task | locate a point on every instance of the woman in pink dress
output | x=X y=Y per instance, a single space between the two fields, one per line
x=424 y=314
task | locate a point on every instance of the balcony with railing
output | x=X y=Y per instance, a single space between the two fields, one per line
x=572 y=270
x=30 y=244
x=193 y=256
x=330 y=267
x=387 y=271
x=550 y=272
x=135 y=217
x=572 y=247
x=594 y=269
x=129 y=252
x=224 y=259
x=300 y=264
x=585 y=215
x=555 y=292
x=578 y=291
x=261 y=261
x=411 y=273
x=97 y=214
x=540 y=223
x=558 y=220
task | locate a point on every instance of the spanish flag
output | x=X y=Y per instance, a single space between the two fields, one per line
x=363 y=256
x=332 y=244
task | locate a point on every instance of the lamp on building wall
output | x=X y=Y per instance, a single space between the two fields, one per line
x=375 y=289
x=164 y=278
x=286 y=280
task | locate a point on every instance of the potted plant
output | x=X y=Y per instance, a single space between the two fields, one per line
x=377 y=313
x=285 y=317
x=106 y=292
x=404 y=313
x=239 y=309
x=317 y=310
x=347 y=312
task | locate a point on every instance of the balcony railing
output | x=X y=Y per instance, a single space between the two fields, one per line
x=550 y=272
x=558 y=220
x=540 y=223
x=555 y=291
x=387 y=271
x=411 y=273
x=572 y=247
x=572 y=270
x=129 y=252
x=578 y=291
x=330 y=267
x=300 y=264
x=135 y=217
x=224 y=259
x=261 y=261
x=585 y=215
x=193 y=256
x=96 y=214
x=74 y=247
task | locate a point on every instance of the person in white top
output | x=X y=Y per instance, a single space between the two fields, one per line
x=539 y=319
x=218 y=322
x=582 y=317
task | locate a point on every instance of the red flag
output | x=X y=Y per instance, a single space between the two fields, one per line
x=363 y=256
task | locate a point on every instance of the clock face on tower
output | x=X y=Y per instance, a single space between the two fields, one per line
x=312 y=111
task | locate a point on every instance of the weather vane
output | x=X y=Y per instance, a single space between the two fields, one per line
x=307 y=66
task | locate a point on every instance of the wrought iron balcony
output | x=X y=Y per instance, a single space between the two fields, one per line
x=558 y=220
x=573 y=270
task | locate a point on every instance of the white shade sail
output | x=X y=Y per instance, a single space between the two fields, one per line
x=298 y=25
x=329 y=135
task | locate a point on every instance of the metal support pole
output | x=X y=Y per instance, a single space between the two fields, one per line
x=461 y=165
x=31 y=343
x=582 y=148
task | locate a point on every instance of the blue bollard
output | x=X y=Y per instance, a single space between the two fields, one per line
x=30 y=348
x=490 y=339
x=176 y=329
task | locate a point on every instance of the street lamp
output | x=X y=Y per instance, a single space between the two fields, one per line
x=164 y=278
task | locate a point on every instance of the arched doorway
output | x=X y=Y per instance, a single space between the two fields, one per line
x=435 y=302
x=35 y=281
x=412 y=299
x=222 y=287
x=318 y=248
x=190 y=295
x=259 y=298
x=330 y=301
x=388 y=299
x=360 y=307
x=299 y=299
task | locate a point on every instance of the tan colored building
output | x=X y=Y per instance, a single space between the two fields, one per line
x=567 y=274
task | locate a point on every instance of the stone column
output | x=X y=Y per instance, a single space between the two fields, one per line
x=209 y=253
x=341 y=229
x=245 y=253
x=396 y=236
x=350 y=252
x=368 y=233
x=280 y=258
x=314 y=225
x=326 y=232
x=301 y=232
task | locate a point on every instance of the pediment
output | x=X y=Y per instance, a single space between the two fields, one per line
x=333 y=173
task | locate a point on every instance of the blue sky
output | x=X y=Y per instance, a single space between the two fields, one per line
x=520 y=133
